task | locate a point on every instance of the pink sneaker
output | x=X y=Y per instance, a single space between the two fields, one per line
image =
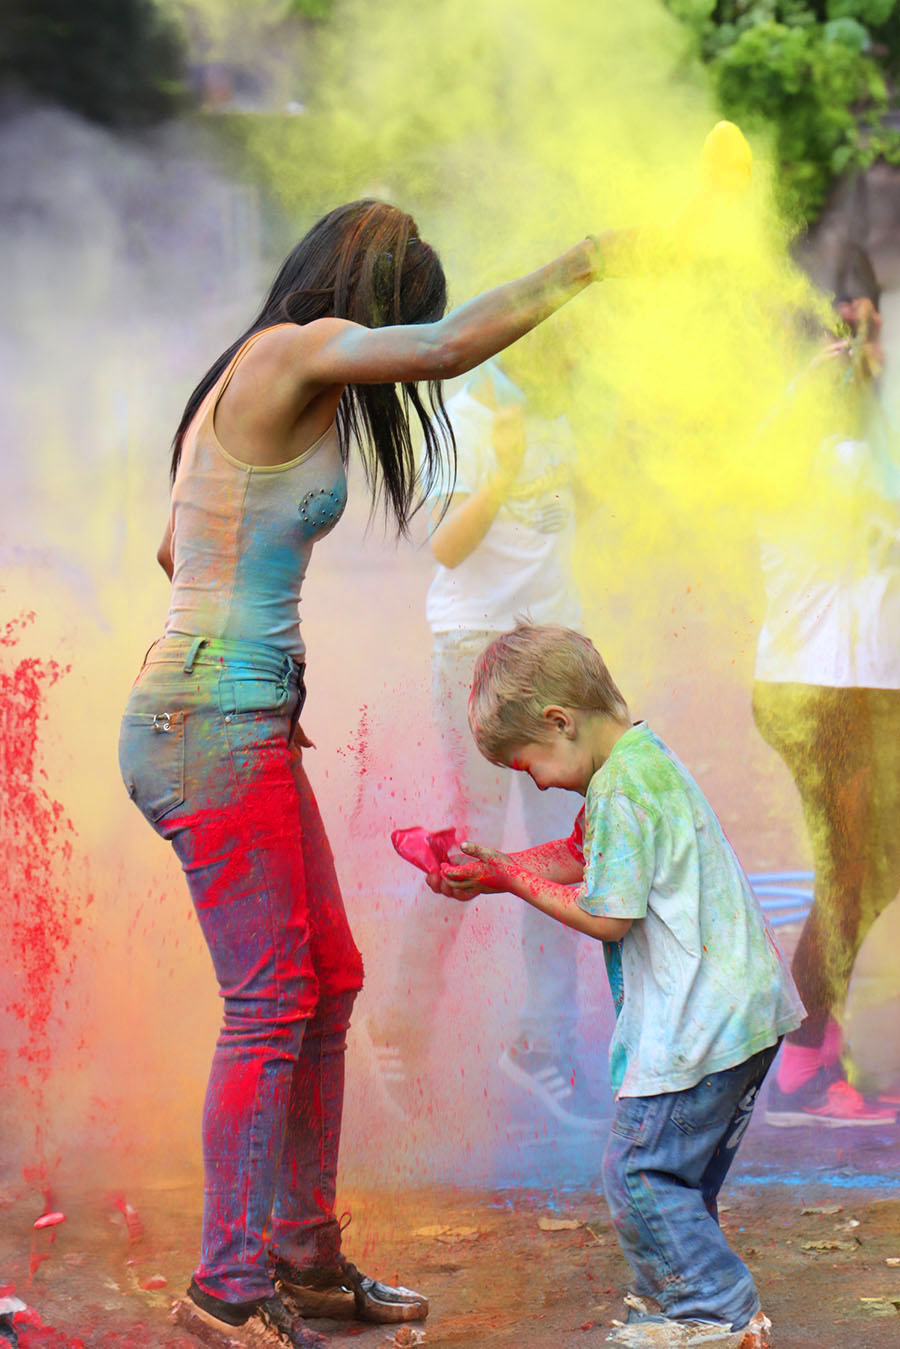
x=831 y=1107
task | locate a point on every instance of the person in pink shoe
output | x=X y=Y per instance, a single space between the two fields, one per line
x=827 y=699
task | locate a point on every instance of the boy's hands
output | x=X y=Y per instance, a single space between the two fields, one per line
x=489 y=872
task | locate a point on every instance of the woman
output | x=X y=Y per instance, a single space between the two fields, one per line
x=211 y=744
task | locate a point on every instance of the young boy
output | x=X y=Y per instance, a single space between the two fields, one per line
x=701 y=990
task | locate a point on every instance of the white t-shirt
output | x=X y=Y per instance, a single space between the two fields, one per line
x=832 y=575
x=522 y=567
x=698 y=980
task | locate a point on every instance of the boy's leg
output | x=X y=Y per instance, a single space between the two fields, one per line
x=726 y=1150
x=663 y=1164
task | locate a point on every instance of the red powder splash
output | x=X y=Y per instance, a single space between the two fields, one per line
x=36 y=837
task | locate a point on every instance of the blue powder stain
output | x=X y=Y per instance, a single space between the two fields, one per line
x=861 y=1181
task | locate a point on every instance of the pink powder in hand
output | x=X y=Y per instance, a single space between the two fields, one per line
x=427 y=851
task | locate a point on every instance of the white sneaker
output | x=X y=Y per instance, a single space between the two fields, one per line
x=668 y=1334
x=555 y=1086
x=389 y=1071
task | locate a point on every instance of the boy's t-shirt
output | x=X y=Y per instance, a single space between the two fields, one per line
x=698 y=980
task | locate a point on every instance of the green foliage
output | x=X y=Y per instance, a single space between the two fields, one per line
x=870 y=12
x=818 y=74
x=311 y=9
x=116 y=62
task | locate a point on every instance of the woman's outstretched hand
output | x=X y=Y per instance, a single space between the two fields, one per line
x=617 y=253
x=487 y=873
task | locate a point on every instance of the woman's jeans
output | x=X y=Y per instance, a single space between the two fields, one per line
x=663 y=1167
x=205 y=754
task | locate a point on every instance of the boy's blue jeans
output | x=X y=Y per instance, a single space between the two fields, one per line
x=663 y=1167
x=205 y=754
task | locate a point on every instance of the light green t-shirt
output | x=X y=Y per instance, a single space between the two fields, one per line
x=698 y=980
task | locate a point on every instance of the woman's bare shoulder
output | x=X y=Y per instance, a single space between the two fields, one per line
x=286 y=341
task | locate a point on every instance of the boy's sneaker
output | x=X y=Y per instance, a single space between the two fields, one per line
x=223 y=1325
x=340 y=1290
x=555 y=1085
x=826 y=1104
x=649 y=1331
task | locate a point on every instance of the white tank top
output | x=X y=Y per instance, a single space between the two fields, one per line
x=242 y=534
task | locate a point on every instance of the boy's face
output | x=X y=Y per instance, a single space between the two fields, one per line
x=558 y=762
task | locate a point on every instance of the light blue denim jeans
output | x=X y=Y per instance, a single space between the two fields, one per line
x=663 y=1167
x=478 y=795
x=205 y=754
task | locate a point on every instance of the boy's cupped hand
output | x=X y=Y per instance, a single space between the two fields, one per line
x=487 y=872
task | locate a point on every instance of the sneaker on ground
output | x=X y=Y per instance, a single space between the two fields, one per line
x=664 y=1333
x=341 y=1290
x=557 y=1086
x=265 y=1325
x=832 y=1106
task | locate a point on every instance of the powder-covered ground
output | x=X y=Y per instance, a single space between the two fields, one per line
x=494 y=1275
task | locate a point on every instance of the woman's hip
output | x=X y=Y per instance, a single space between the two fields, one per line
x=205 y=722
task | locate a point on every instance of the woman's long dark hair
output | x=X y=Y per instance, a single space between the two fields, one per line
x=363 y=262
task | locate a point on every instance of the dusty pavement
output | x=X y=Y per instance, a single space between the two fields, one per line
x=530 y=1265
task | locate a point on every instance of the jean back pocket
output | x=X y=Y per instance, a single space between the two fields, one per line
x=151 y=761
x=239 y=696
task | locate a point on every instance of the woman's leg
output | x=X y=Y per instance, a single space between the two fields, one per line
x=238 y=837
x=883 y=851
x=824 y=737
x=305 y=1229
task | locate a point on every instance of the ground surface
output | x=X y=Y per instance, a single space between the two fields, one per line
x=498 y=1267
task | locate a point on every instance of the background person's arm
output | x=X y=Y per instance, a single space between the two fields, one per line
x=468 y=517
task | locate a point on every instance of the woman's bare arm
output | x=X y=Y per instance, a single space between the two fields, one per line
x=333 y=351
x=469 y=517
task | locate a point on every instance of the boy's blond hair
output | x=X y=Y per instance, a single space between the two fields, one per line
x=523 y=671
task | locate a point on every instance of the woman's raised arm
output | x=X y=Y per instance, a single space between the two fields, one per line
x=333 y=351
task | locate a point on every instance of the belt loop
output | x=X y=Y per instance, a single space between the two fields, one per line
x=193 y=649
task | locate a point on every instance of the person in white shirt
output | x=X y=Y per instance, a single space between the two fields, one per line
x=827 y=698
x=502 y=539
